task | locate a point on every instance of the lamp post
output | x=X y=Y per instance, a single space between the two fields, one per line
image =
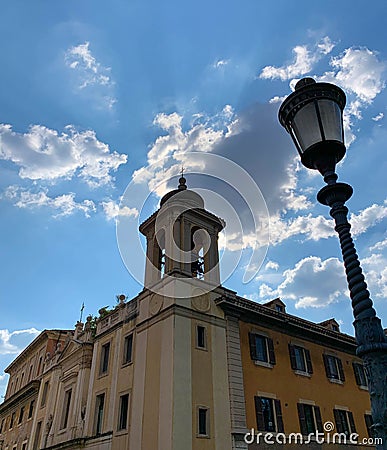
x=313 y=116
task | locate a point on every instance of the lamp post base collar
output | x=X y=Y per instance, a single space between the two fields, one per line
x=335 y=193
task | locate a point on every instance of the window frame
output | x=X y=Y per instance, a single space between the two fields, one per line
x=122 y=416
x=360 y=375
x=268 y=359
x=316 y=416
x=99 y=416
x=275 y=410
x=67 y=397
x=203 y=336
x=46 y=387
x=129 y=338
x=344 y=419
x=337 y=375
x=303 y=353
x=104 y=360
x=199 y=411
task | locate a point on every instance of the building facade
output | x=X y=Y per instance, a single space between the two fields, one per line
x=185 y=365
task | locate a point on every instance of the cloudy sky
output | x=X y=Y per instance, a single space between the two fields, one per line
x=97 y=96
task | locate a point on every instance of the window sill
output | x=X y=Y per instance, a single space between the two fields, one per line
x=336 y=381
x=363 y=388
x=263 y=364
x=126 y=364
x=122 y=432
x=303 y=374
x=203 y=349
x=103 y=374
x=203 y=436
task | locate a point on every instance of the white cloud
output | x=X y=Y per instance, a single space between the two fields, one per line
x=378 y=117
x=379 y=245
x=277 y=99
x=272 y=265
x=312 y=282
x=80 y=58
x=13 y=342
x=367 y=218
x=304 y=60
x=375 y=272
x=170 y=151
x=219 y=63
x=44 y=154
x=64 y=204
x=113 y=210
x=91 y=74
x=360 y=71
x=319 y=227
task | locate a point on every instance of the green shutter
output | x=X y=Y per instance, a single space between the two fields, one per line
x=341 y=370
x=301 y=418
x=292 y=355
x=259 y=414
x=309 y=367
x=253 y=348
x=278 y=412
x=270 y=347
x=317 y=415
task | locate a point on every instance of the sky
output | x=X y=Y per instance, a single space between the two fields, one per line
x=102 y=103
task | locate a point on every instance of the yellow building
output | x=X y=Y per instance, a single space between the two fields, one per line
x=185 y=365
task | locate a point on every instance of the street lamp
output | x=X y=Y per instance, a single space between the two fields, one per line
x=313 y=116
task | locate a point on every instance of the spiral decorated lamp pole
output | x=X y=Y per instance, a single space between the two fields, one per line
x=313 y=116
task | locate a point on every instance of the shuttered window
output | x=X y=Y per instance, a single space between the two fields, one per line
x=261 y=348
x=310 y=418
x=334 y=368
x=344 y=421
x=369 y=422
x=269 y=414
x=300 y=359
x=360 y=374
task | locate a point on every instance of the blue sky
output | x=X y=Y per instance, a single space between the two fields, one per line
x=93 y=93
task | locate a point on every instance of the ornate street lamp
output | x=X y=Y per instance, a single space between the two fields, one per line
x=313 y=116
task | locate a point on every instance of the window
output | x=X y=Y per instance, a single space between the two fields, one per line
x=66 y=409
x=360 y=374
x=2 y=426
x=30 y=373
x=21 y=414
x=31 y=409
x=12 y=420
x=24 y=446
x=344 y=421
x=44 y=394
x=105 y=350
x=99 y=405
x=261 y=348
x=300 y=359
x=369 y=422
x=201 y=337
x=128 y=347
x=334 y=368
x=310 y=418
x=123 y=417
x=203 y=421
x=269 y=414
x=37 y=436
x=279 y=308
x=39 y=371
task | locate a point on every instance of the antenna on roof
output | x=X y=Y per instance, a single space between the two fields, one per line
x=182 y=171
x=83 y=307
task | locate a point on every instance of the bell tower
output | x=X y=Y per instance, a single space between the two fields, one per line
x=182 y=239
x=180 y=397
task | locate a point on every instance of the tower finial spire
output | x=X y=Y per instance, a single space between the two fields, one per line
x=182 y=181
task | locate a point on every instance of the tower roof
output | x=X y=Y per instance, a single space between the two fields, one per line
x=182 y=194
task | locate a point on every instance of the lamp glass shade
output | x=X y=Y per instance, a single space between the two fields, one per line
x=331 y=118
x=306 y=127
